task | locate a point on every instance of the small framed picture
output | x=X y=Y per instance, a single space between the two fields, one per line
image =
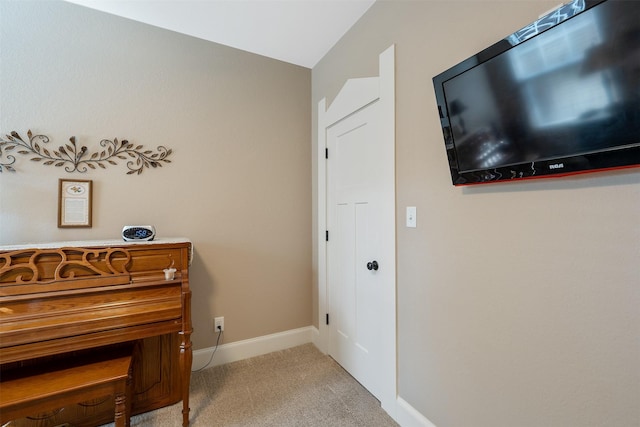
x=74 y=203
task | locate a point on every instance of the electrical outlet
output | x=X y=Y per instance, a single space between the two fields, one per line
x=218 y=324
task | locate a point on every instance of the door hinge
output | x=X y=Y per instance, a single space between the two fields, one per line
x=326 y=153
x=327 y=318
x=326 y=235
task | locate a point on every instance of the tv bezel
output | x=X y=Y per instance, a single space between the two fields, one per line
x=598 y=161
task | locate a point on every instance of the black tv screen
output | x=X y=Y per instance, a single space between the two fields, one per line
x=560 y=96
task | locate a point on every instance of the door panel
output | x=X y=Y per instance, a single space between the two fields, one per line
x=354 y=217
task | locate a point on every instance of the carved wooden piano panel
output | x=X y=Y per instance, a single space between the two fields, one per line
x=62 y=301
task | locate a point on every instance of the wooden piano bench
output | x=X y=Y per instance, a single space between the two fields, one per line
x=28 y=391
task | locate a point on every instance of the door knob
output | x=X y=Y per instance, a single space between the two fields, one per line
x=373 y=265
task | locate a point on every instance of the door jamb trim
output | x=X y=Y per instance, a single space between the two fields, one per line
x=327 y=116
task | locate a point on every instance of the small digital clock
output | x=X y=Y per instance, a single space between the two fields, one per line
x=138 y=232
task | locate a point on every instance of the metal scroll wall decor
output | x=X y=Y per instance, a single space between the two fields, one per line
x=77 y=158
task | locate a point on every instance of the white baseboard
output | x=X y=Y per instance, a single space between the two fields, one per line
x=408 y=416
x=239 y=350
x=315 y=337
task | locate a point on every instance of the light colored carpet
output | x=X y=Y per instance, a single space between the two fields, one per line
x=295 y=387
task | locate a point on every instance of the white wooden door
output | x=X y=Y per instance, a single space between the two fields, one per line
x=356 y=243
x=360 y=220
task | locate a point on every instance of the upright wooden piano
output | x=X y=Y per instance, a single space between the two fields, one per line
x=63 y=300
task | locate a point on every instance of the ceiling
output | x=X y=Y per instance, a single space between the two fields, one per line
x=300 y=32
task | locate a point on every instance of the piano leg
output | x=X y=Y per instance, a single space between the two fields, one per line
x=186 y=358
x=186 y=355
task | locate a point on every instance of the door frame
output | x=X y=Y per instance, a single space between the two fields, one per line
x=355 y=94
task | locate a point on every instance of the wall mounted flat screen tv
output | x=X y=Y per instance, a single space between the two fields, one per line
x=561 y=96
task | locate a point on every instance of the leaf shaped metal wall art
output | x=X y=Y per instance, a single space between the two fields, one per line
x=76 y=158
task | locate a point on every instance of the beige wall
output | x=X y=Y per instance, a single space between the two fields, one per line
x=239 y=185
x=517 y=303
